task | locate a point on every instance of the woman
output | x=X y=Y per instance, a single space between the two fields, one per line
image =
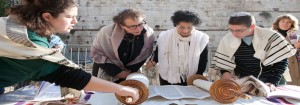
x=122 y=47
x=287 y=26
x=182 y=51
x=25 y=52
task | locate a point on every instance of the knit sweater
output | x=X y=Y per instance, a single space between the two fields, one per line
x=249 y=65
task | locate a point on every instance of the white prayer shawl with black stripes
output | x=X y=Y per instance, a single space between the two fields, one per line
x=270 y=47
x=14 y=43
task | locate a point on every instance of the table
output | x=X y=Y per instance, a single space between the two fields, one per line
x=99 y=98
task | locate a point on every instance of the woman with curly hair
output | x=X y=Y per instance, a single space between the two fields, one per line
x=287 y=26
x=182 y=51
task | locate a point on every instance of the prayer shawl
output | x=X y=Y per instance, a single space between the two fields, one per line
x=15 y=44
x=106 y=43
x=253 y=86
x=168 y=54
x=270 y=47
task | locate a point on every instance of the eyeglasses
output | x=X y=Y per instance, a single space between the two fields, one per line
x=238 y=31
x=133 y=27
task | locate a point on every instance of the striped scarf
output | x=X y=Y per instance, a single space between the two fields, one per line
x=270 y=47
x=14 y=43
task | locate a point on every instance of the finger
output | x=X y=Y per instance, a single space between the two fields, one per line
x=153 y=63
x=273 y=88
x=148 y=64
x=134 y=98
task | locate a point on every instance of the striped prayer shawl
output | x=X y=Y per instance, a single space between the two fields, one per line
x=270 y=47
x=14 y=43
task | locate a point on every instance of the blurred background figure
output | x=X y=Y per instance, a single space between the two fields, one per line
x=287 y=26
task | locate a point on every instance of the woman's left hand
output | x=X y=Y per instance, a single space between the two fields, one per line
x=297 y=44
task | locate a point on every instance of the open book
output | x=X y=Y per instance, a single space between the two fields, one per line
x=177 y=92
x=47 y=91
x=286 y=91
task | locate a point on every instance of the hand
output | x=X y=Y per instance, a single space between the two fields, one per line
x=129 y=92
x=227 y=75
x=297 y=44
x=271 y=87
x=150 y=64
x=123 y=74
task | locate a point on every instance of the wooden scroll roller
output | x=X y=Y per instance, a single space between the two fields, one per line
x=223 y=91
x=138 y=81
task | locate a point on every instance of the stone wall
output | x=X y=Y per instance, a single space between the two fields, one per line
x=214 y=14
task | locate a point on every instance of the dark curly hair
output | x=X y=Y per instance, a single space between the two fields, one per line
x=185 y=16
x=30 y=13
